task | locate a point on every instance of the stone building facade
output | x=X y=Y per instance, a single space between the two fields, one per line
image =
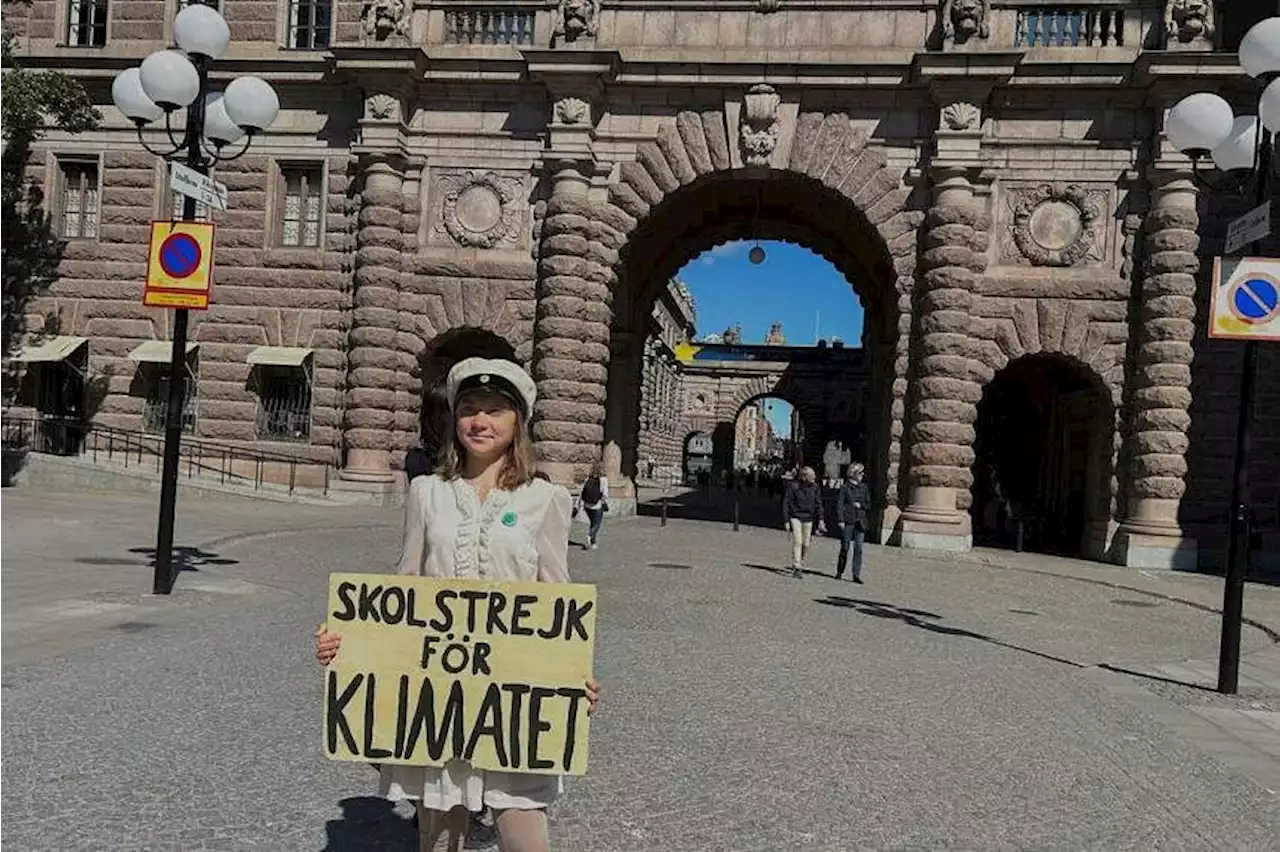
x=991 y=177
x=659 y=437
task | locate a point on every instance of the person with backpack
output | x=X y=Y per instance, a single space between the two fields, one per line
x=594 y=500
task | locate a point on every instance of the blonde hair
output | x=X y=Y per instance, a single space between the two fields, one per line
x=519 y=465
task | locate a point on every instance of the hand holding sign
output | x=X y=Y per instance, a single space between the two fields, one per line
x=438 y=670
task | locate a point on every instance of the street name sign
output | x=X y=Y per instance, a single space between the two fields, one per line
x=202 y=188
x=1252 y=226
x=1245 y=302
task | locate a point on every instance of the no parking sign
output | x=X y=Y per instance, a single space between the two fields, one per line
x=179 y=265
x=1246 y=299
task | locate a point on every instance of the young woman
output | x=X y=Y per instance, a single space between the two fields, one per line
x=594 y=500
x=484 y=514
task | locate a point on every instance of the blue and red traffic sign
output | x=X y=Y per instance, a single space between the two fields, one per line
x=180 y=255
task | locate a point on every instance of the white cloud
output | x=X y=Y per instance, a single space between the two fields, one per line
x=723 y=251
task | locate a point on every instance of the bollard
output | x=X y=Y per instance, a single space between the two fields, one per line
x=735 y=512
x=664 y=510
x=1018 y=546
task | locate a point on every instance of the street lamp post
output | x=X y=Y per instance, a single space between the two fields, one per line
x=167 y=81
x=1203 y=125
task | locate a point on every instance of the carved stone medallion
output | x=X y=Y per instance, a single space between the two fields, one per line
x=479 y=209
x=1055 y=224
x=759 y=127
x=1189 y=21
x=384 y=18
x=575 y=19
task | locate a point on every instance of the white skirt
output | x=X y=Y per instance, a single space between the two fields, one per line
x=457 y=784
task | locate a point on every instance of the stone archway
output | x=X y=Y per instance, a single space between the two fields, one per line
x=1043 y=458
x=1088 y=339
x=601 y=260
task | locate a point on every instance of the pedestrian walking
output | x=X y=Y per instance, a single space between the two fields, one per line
x=481 y=516
x=593 y=499
x=802 y=511
x=852 y=512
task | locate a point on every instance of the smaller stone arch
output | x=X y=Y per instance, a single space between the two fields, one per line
x=1044 y=456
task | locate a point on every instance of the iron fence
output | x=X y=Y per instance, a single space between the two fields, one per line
x=133 y=449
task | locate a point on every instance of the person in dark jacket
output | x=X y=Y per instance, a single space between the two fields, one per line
x=802 y=511
x=436 y=423
x=852 y=514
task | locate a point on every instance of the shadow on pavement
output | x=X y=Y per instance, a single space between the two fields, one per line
x=1155 y=677
x=186 y=558
x=370 y=823
x=920 y=619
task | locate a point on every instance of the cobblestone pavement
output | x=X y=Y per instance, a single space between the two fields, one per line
x=946 y=704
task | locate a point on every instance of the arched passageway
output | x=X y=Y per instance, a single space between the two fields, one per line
x=1042 y=471
x=767 y=205
x=456 y=345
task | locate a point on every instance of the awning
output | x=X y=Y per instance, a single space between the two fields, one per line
x=157 y=352
x=279 y=356
x=54 y=349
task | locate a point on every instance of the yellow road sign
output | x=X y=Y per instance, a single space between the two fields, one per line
x=1246 y=299
x=179 y=265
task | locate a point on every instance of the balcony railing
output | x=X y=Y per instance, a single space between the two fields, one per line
x=1069 y=26
x=489 y=25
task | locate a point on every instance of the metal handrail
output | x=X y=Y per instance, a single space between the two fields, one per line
x=65 y=437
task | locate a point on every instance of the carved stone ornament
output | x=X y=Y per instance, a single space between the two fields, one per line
x=572 y=111
x=768 y=7
x=576 y=19
x=1053 y=224
x=961 y=116
x=382 y=106
x=479 y=209
x=964 y=19
x=1187 y=21
x=759 y=126
x=384 y=18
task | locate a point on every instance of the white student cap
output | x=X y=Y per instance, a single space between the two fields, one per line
x=495 y=375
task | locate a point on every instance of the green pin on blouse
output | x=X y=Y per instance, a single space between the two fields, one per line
x=509 y=519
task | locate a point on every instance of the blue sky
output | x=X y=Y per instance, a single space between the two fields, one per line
x=793 y=286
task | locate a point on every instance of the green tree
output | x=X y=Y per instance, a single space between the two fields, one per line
x=33 y=103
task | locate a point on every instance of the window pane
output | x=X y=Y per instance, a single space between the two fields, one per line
x=290 y=234
x=302 y=209
x=79 y=199
x=311 y=234
x=284 y=403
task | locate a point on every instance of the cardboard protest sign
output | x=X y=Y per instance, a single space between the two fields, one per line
x=434 y=670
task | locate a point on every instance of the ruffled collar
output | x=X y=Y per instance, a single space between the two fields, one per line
x=472 y=554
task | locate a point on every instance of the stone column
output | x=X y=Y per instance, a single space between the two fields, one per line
x=372 y=365
x=940 y=444
x=571 y=331
x=1150 y=536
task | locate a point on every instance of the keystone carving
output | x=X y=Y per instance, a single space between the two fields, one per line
x=382 y=106
x=963 y=20
x=1187 y=21
x=479 y=209
x=572 y=111
x=576 y=19
x=961 y=116
x=760 y=126
x=768 y=7
x=1053 y=224
x=384 y=18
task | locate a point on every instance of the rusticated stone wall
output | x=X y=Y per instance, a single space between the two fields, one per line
x=954 y=246
x=571 y=333
x=1162 y=378
x=264 y=296
x=375 y=365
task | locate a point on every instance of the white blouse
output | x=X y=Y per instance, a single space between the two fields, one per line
x=519 y=535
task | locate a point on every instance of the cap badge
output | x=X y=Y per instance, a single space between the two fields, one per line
x=484 y=379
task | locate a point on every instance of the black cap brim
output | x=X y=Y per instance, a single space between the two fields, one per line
x=491 y=383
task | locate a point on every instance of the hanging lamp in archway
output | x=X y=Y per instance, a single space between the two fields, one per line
x=756 y=255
